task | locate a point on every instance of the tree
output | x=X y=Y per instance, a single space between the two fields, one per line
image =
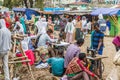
x=25 y=2
x=7 y=3
x=31 y=3
x=39 y=4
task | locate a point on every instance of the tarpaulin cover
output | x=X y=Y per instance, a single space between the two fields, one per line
x=106 y=11
x=53 y=9
x=29 y=12
x=58 y=12
x=19 y=9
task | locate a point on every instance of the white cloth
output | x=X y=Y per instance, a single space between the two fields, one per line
x=56 y=22
x=74 y=22
x=21 y=31
x=84 y=24
x=25 y=43
x=42 y=65
x=89 y=25
x=5 y=37
x=41 y=26
x=44 y=38
x=69 y=27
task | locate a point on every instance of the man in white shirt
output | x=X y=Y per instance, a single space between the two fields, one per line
x=44 y=38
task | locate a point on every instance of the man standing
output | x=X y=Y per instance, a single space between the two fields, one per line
x=72 y=51
x=5 y=43
x=97 y=39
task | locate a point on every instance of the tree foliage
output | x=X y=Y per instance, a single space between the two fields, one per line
x=26 y=3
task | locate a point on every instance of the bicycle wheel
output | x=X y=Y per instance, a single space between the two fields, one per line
x=101 y=69
x=102 y=66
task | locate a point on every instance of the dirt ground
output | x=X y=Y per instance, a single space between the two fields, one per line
x=109 y=51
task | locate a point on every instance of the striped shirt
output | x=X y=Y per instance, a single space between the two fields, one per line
x=96 y=39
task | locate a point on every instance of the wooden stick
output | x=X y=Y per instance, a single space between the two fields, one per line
x=27 y=62
x=18 y=58
x=12 y=62
x=14 y=46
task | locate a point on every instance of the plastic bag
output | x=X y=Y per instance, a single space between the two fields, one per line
x=116 y=59
x=113 y=75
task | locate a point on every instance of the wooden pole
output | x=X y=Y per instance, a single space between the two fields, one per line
x=12 y=62
x=18 y=58
x=27 y=62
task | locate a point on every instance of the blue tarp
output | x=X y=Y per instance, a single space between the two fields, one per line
x=53 y=9
x=29 y=12
x=19 y=9
x=58 y=12
x=106 y=11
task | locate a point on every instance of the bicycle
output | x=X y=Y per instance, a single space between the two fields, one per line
x=97 y=66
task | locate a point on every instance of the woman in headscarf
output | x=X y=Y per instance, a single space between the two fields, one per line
x=84 y=25
x=5 y=45
x=22 y=21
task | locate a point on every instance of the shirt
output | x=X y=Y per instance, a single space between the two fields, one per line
x=41 y=26
x=97 y=35
x=69 y=27
x=57 y=65
x=77 y=65
x=44 y=38
x=71 y=52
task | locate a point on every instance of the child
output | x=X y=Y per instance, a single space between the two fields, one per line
x=76 y=69
x=57 y=64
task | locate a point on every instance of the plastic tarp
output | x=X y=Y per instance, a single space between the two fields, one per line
x=106 y=11
x=53 y=9
x=19 y=9
x=30 y=12
x=58 y=12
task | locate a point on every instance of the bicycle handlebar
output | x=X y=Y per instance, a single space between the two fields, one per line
x=92 y=50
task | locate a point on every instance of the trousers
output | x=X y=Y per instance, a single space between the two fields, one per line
x=69 y=38
x=4 y=57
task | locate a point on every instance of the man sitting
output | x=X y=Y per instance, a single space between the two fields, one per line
x=44 y=40
x=57 y=63
x=77 y=70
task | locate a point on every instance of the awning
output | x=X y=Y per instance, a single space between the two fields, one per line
x=106 y=11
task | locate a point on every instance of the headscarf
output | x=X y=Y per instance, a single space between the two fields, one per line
x=84 y=22
x=21 y=27
x=100 y=16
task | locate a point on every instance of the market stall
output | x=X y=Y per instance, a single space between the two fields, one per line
x=113 y=15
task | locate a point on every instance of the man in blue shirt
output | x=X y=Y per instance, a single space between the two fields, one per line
x=57 y=64
x=97 y=39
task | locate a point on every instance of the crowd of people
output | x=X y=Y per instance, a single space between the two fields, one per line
x=37 y=38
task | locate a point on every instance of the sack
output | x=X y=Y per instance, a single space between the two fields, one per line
x=116 y=59
x=113 y=75
x=116 y=41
